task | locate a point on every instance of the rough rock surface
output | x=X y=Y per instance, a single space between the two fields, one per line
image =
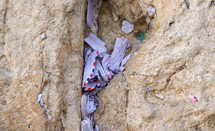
x=30 y=65
x=176 y=62
x=176 y=59
x=132 y=10
x=114 y=106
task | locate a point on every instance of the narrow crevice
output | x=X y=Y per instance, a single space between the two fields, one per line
x=187 y=4
x=42 y=64
x=170 y=24
x=6 y=72
x=177 y=71
x=127 y=92
x=29 y=125
x=5 y=16
x=198 y=52
x=212 y=3
x=128 y=88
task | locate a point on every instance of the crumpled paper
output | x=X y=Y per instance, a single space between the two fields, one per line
x=44 y=106
x=92 y=14
x=99 y=69
x=127 y=27
x=151 y=11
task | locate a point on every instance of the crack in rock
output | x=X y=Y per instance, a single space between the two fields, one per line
x=177 y=71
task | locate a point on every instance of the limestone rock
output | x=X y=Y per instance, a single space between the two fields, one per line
x=111 y=112
x=132 y=10
x=30 y=65
x=176 y=59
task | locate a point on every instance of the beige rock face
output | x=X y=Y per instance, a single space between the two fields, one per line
x=132 y=10
x=30 y=65
x=112 y=106
x=175 y=60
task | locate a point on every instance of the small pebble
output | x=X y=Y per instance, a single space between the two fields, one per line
x=115 y=17
x=43 y=36
x=148 y=20
x=160 y=96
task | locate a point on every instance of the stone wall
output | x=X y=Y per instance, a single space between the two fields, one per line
x=30 y=65
x=175 y=60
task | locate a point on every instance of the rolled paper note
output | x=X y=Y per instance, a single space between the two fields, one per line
x=40 y=99
x=49 y=117
x=97 y=44
x=118 y=53
x=84 y=125
x=159 y=96
x=83 y=106
x=96 y=128
x=90 y=9
x=88 y=69
x=124 y=61
x=45 y=107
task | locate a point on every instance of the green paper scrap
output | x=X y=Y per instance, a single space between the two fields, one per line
x=140 y=36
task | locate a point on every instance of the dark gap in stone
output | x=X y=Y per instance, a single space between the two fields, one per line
x=170 y=24
x=187 y=4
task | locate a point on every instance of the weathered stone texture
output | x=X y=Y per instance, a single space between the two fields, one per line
x=111 y=113
x=30 y=65
x=132 y=10
x=176 y=59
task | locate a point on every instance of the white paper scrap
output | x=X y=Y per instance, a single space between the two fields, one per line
x=96 y=43
x=160 y=96
x=127 y=27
